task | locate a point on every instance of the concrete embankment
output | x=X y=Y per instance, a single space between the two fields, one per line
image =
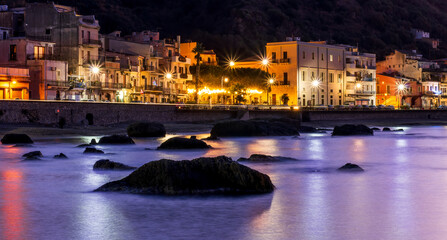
x=103 y=114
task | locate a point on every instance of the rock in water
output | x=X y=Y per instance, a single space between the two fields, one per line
x=183 y=143
x=116 y=139
x=251 y=128
x=93 y=150
x=105 y=164
x=219 y=175
x=349 y=130
x=60 y=156
x=13 y=138
x=36 y=155
x=349 y=167
x=386 y=129
x=265 y=158
x=93 y=142
x=146 y=129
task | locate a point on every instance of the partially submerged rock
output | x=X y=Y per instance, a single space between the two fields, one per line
x=219 y=175
x=93 y=150
x=350 y=130
x=116 y=139
x=375 y=129
x=146 y=129
x=265 y=158
x=386 y=129
x=106 y=164
x=93 y=142
x=60 y=156
x=307 y=129
x=251 y=128
x=184 y=143
x=14 y=138
x=349 y=167
x=35 y=155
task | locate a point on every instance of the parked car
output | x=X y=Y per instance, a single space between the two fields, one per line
x=389 y=107
x=442 y=107
x=373 y=107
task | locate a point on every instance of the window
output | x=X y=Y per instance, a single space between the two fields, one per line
x=209 y=60
x=339 y=58
x=339 y=78
x=88 y=35
x=286 y=76
x=39 y=52
x=58 y=75
x=331 y=77
x=313 y=56
x=313 y=75
x=88 y=55
x=304 y=55
x=331 y=58
x=322 y=57
x=273 y=55
x=322 y=99
x=13 y=52
x=322 y=77
x=304 y=76
x=332 y=90
x=378 y=89
x=388 y=89
x=284 y=55
x=48 y=31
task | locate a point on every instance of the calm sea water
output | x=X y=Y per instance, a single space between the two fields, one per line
x=401 y=195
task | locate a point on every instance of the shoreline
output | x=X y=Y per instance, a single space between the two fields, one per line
x=36 y=130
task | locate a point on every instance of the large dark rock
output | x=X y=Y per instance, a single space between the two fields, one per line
x=184 y=143
x=93 y=150
x=386 y=129
x=251 y=128
x=349 y=167
x=306 y=129
x=116 y=139
x=349 y=130
x=13 y=138
x=218 y=175
x=265 y=158
x=105 y=164
x=35 y=155
x=146 y=129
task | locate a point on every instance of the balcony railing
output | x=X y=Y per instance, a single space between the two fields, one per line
x=91 y=41
x=284 y=60
x=153 y=88
x=184 y=75
x=365 y=92
x=283 y=83
x=149 y=68
x=55 y=83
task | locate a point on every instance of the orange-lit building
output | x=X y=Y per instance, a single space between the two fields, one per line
x=389 y=94
x=208 y=57
x=14 y=83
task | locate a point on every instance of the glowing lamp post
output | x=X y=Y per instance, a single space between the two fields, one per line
x=231 y=63
x=400 y=90
x=270 y=82
x=315 y=85
x=222 y=81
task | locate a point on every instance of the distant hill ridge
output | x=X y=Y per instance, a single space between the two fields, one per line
x=244 y=26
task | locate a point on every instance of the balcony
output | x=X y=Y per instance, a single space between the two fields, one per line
x=183 y=76
x=56 y=84
x=153 y=88
x=95 y=84
x=360 y=92
x=45 y=57
x=284 y=83
x=284 y=60
x=181 y=59
x=92 y=42
x=149 y=68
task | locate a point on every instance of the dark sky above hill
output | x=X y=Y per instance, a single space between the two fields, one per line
x=244 y=26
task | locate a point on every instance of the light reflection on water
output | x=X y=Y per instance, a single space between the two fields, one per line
x=401 y=195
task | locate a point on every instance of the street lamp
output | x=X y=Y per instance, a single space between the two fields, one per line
x=315 y=85
x=269 y=84
x=400 y=90
x=222 y=80
x=265 y=62
x=231 y=63
x=95 y=70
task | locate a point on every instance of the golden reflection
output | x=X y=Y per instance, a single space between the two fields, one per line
x=358 y=150
x=11 y=200
x=263 y=146
x=11 y=150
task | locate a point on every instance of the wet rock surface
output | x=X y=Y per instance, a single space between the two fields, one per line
x=116 y=139
x=349 y=167
x=146 y=129
x=92 y=150
x=60 y=156
x=260 y=127
x=13 y=138
x=350 y=130
x=184 y=143
x=265 y=158
x=219 y=175
x=105 y=164
x=35 y=155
